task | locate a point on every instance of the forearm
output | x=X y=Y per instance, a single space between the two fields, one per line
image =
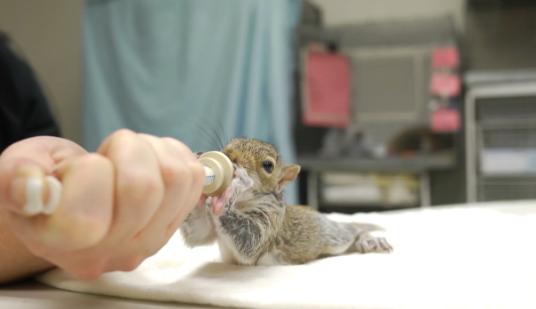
x=16 y=262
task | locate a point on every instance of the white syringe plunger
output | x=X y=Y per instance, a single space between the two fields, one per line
x=218 y=172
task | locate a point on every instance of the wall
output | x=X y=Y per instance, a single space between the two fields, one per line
x=338 y=12
x=501 y=39
x=48 y=33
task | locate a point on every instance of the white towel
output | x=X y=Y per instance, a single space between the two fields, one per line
x=456 y=257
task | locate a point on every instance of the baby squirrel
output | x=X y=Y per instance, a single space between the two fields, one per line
x=256 y=227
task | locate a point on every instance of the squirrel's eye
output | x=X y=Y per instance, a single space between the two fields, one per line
x=268 y=166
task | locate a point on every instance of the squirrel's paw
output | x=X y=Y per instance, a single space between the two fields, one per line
x=369 y=244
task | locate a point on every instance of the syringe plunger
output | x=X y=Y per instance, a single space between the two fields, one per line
x=218 y=176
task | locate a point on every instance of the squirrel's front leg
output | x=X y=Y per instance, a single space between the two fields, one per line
x=198 y=228
x=247 y=231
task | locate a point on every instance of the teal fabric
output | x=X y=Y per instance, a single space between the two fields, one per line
x=202 y=71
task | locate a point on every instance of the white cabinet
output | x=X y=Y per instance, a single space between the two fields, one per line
x=501 y=137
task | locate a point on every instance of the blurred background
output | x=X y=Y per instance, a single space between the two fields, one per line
x=386 y=104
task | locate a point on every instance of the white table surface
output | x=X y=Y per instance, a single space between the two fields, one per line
x=33 y=295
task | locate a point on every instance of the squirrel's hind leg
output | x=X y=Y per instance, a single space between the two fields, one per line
x=338 y=238
x=366 y=243
x=353 y=237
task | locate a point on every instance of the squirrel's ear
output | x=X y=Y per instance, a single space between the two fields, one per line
x=289 y=173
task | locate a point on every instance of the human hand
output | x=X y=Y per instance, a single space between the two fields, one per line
x=118 y=206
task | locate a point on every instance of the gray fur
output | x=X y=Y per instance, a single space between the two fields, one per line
x=198 y=228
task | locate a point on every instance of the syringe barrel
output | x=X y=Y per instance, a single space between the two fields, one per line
x=210 y=176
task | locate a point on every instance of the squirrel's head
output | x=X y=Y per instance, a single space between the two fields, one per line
x=262 y=163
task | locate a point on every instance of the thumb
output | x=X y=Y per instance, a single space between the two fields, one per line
x=16 y=179
x=84 y=214
x=31 y=158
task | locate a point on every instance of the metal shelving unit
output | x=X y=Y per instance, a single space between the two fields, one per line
x=501 y=139
x=419 y=166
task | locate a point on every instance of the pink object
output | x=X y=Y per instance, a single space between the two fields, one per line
x=447 y=57
x=445 y=85
x=326 y=90
x=446 y=120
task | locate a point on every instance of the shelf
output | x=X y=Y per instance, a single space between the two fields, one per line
x=508 y=176
x=337 y=208
x=508 y=124
x=415 y=164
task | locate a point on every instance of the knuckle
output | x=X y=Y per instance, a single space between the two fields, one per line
x=175 y=143
x=176 y=223
x=93 y=159
x=123 y=133
x=140 y=185
x=198 y=171
x=85 y=274
x=170 y=140
x=153 y=248
x=129 y=263
x=174 y=173
x=116 y=141
x=179 y=147
x=73 y=231
x=37 y=249
x=89 y=271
